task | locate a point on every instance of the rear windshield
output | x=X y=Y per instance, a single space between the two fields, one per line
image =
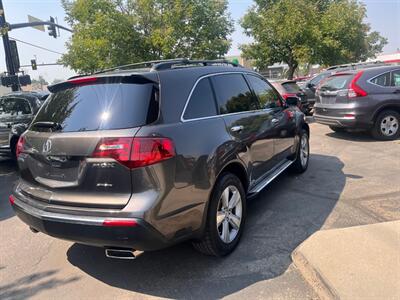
x=336 y=83
x=291 y=87
x=100 y=107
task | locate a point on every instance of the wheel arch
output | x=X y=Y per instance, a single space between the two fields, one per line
x=394 y=107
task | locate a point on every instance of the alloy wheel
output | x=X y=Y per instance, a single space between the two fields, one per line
x=389 y=125
x=229 y=214
x=304 y=150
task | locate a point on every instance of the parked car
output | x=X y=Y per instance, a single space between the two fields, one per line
x=366 y=99
x=289 y=88
x=16 y=112
x=310 y=86
x=143 y=159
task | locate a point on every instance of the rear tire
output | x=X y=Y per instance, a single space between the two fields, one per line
x=300 y=164
x=386 y=126
x=337 y=129
x=221 y=239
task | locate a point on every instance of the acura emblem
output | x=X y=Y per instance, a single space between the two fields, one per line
x=47 y=146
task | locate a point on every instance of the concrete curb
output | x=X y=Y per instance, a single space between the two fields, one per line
x=313 y=277
x=360 y=262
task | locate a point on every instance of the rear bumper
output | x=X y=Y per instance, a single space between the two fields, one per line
x=342 y=116
x=335 y=121
x=90 y=229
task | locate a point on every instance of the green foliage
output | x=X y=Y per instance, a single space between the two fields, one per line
x=305 y=31
x=117 y=32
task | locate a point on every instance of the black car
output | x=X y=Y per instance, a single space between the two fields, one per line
x=17 y=110
x=159 y=153
x=367 y=99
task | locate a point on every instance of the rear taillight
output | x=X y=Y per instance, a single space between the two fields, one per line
x=285 y=96
x=354 y=89
x=135 y=152
x=20 y=146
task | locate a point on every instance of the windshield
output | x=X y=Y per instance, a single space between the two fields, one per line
x=100 y=107
x=291 y=87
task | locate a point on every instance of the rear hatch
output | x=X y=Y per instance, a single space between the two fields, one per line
x=293 y=89
x=59 y=164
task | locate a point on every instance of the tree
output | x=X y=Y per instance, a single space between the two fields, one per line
x=117 y=32
x=39 y=83
x=305 y=31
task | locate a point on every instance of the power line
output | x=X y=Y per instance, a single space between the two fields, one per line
x=33 y=45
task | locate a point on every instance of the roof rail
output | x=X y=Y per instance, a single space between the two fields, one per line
x=164 y=65
x=144 y=64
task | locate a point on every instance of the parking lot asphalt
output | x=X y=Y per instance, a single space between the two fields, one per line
x=352 y=180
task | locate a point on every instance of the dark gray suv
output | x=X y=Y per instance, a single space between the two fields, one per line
x=367 y=99
x=144 y=158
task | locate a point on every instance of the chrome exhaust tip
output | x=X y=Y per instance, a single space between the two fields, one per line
x=122 y=253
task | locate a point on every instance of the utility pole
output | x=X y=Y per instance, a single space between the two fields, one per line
x=7 y=48
x=12 y=79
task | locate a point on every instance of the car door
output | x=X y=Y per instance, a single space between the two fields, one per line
x=246 y=123
x=282 y=125
x=13 y=110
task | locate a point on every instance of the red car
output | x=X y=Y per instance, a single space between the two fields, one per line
x=289 y=88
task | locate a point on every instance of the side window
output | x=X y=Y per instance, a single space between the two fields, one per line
x=233 y=94
x=382 y=80
x=201 y=103
x=266 y=95
x=396 y=78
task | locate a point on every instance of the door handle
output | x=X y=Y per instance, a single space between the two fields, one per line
x=396 y=92
x=237 y=128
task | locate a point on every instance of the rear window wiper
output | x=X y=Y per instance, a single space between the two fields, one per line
x=46 y=124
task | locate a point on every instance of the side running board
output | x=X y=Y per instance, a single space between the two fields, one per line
x=267 y=180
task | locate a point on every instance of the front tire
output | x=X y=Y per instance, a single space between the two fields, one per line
x=386 y=126
x=226 y=217
x=300 y=164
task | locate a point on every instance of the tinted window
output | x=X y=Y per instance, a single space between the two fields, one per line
x=337 y=82
x=233 y=94
x=382 y=80
x=291 y=87
x=14 y=107
x=396 y=78
x=317 y=79
x=201 y=103
x=101 y=106
x=267 y=96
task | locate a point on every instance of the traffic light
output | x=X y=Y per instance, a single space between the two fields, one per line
x=33 y=64
x=52 y=28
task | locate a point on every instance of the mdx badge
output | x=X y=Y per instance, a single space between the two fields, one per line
x=47 y=146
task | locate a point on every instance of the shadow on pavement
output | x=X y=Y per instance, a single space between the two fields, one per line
x=354 y=136
x=31 y=285
x=279 y=219
x=8 y=175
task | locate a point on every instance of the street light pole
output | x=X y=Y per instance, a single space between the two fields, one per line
x=7 y=48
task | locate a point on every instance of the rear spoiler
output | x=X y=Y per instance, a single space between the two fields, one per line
x=88 y=80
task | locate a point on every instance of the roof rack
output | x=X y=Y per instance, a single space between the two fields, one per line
x=165 y=64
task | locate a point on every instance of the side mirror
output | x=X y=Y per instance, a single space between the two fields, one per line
x=310 y=85
x=292 y=101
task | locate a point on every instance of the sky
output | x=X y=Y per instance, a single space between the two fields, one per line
x=382 y=15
